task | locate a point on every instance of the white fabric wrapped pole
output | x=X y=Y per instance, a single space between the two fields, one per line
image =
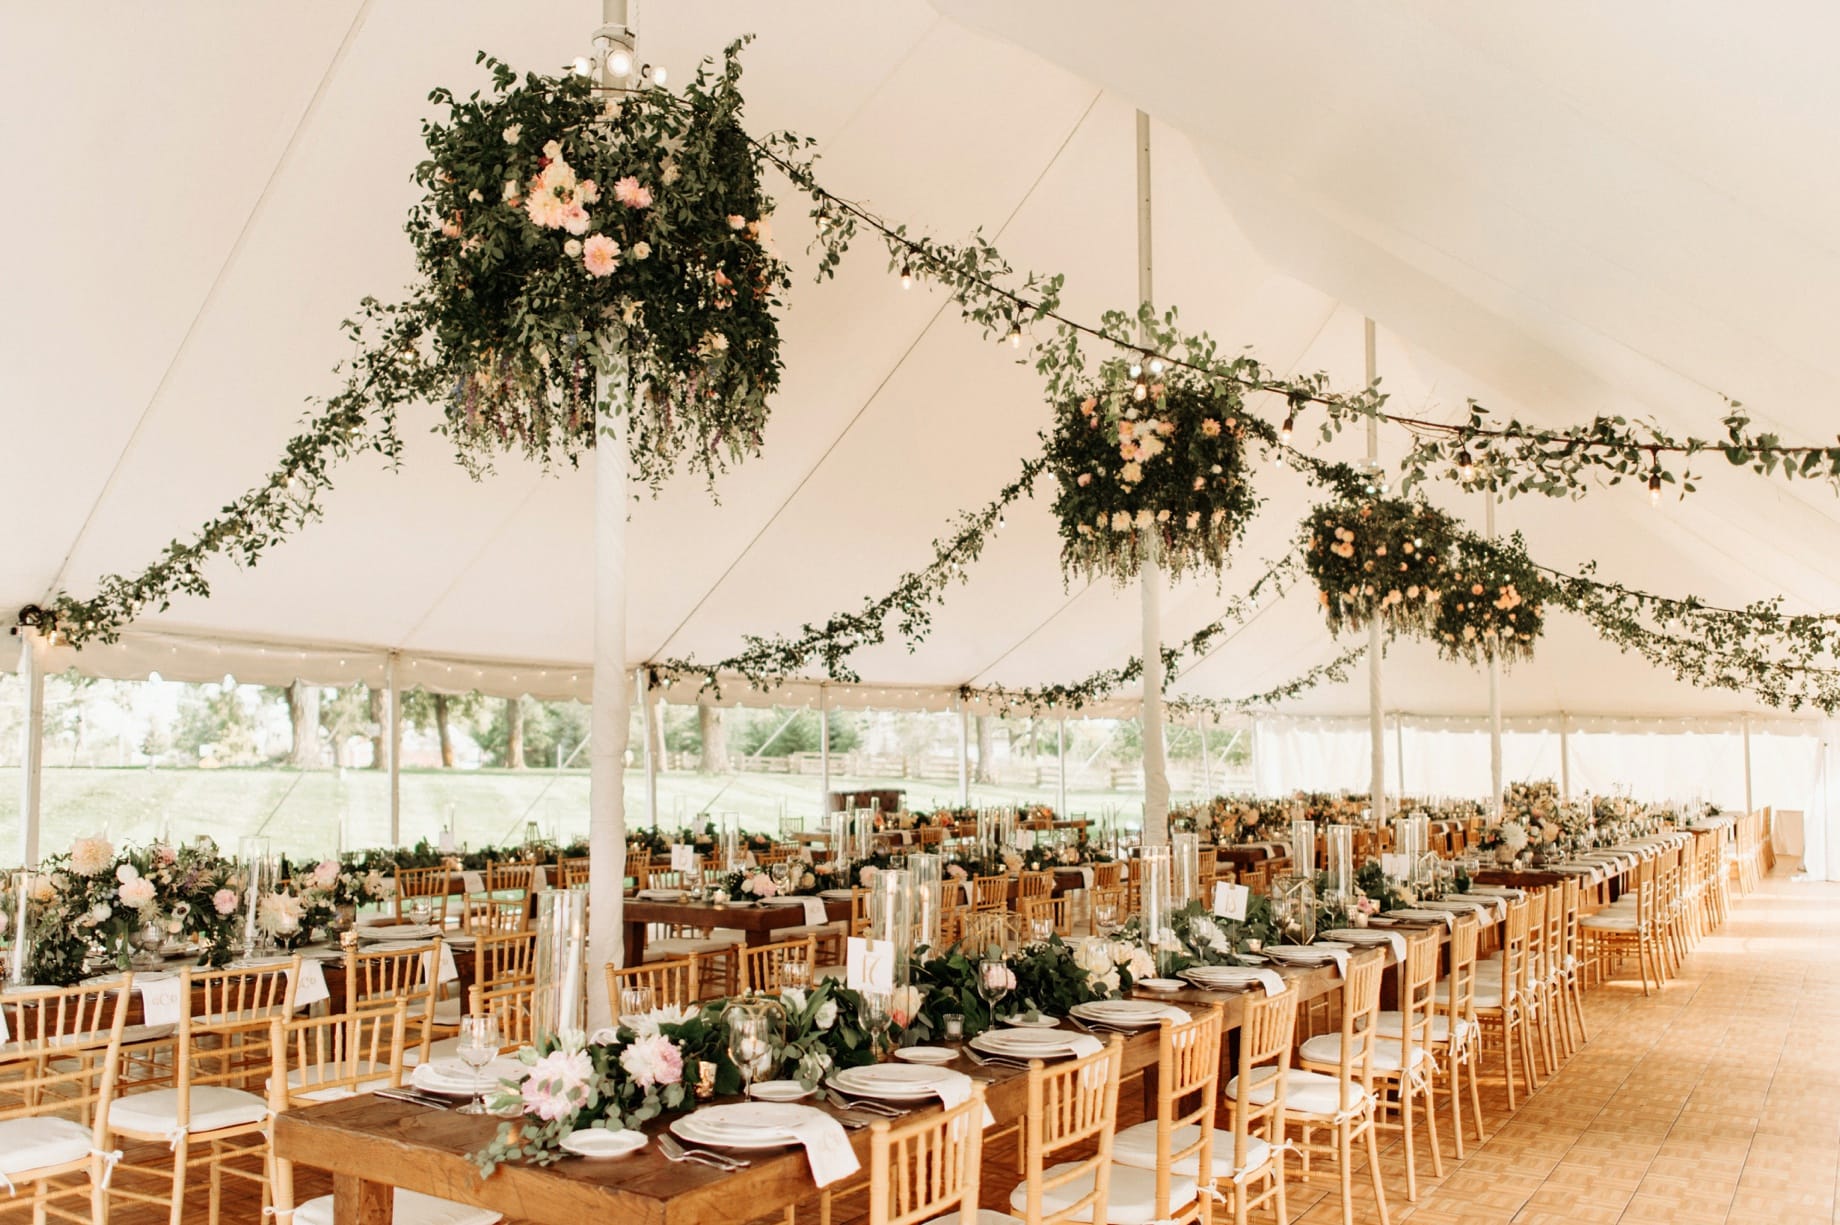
x=32 y=746
x=1376 y=717
x=1150 y=579
x=1495 y=779
x=608 y=722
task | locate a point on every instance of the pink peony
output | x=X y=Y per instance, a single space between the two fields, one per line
x=653 y=1061
x=558 y=1084
x=137 y=893
x=224 y=901
x=545 y=207
x=628 y=192
x=326 y=875
x=575 y=219
x=736 y=221
x=600 y=255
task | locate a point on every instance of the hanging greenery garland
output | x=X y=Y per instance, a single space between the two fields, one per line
x=1412 y=568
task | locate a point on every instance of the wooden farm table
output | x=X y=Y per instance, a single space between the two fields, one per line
x=756 y=923
x=372 y=1144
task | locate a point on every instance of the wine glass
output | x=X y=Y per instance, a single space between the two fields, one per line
x=795 y=973
x=478 y=1047
x=421 y=911
x=635 y=1001
x=994 y=981
x=750 y=1044
x=1040 y=929
x=1105 y=917
x=878 y=1015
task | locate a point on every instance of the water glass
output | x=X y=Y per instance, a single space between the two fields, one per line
x=421 y=911
x=478 y=1047
x=635 y=1001
x=1105 y=917
x=994 y=979
x=795 y=973
x=750 y=1044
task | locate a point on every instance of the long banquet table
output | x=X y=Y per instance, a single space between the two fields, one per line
x=371 y=1144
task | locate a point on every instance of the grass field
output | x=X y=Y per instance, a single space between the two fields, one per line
x=302 y=811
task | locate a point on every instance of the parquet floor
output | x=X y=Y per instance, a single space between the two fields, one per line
x=1715 y=1100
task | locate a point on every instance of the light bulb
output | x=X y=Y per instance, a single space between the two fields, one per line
x=659 y=75
x=619 y=62
x=649 y=73
x=1015 y=336
x=1156 y=365
x=1140 y=392
x=907 y=276
x=1466 y=467
x=582 y=66
x=1002 y=523
x=1654 y=487
x=1285 y=430
x=1137 y=370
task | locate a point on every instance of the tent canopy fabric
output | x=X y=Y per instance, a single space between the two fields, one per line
x=1560 y=212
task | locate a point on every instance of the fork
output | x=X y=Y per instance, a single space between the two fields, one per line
x=673 y=1151
x=991 y=1061
x=868 y=1105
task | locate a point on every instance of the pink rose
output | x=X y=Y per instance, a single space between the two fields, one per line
x=600 y=255
x=628 y=192
x=224 y=901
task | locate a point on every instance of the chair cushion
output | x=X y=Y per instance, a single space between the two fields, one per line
x=1130 y=1197
x=985 y=1216
x=449 y=1011
x=1389 y=1024
x=412 y=1208
x=1136 y=1146
x=34 y=1144
x=1306 y=1092
x=156 y=1113
x=377 y=1076
x=444 y=1048
x=683 y=946
x=1610 y=922
x=1487 y=994
x=1327 y=1049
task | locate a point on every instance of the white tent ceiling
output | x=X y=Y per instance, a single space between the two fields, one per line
x=1561 y=211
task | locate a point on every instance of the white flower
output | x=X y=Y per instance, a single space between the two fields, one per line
x=137 y=893
x=1142 y=965
x=474 y=196
x=793 y=998
x=712 y=343
x=646 y=1024
x=127 y=872
x=91 y=856
x=669 y=173
x=640 y=250
x=572 y=248
x=1121 y=521
x=512 y=192
x=1132 y=473
x=653 y=1061
x=279 y=914
x=100 y=912
x=512 y=133
x=1144 y=518
x=826 y=1015
x=905 y=1004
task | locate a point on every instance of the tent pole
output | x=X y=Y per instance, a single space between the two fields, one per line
x=32 y=745
x=1376 y=717
x=824 y=756
x=395 y=745
x=609 y=713
x=1495 y=779
x=1156 y=764
x=1748 y=806
x=964 y=754
x=1060 y=772
x=1207 y=764
x=648 y=715
x=1399 y=752
x=1565 y=760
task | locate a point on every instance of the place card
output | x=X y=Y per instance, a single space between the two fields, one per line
x=447 y=842
x=1025 y=840
x=1230 y=900
x=869 y=965
x=683 y=858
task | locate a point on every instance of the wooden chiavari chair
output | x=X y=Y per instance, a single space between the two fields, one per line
x=1254 y=1149
x=510 y=1006
x=1052 y=909
x=1073 y=1105
x=491 y=912
x=58 y=1077
x=762 y=964
x=673 y=984
x=1402 y=1061
x=1181 y=1142
x=1455 y=1037
x=410 y=975
x=990 y=892
x=928 y=1170
x=1341 y=1101
x=1501 y=994
x=1032 y=885
x=435 y=884
x=983 y=929
x=222 y=1049
x=1616 y=932
x=573 y=872
x=1536 y=997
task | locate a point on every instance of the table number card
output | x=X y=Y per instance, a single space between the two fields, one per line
x=1230 y=900
x=683 y=858
x=869 y=965
x=1025 y=840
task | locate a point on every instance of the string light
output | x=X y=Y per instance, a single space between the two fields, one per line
x=1654 y=479
x=907 y=276
x=1015 y=335
x=1285 y=430
x=582 y=66
x=1466 y=467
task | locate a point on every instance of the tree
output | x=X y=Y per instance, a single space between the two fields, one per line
x=714 y=740
x=380 y=729
x=984 y=750
x=514 y=733
x=303 y=715
x=344 y=713
x=761 y=733
x=422 y=710
x=552 y=732
x=214 y=722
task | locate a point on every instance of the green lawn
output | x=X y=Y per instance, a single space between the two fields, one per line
x=302 y=812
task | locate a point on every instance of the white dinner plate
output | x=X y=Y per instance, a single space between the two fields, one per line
x=778 y=1090
x=1040 y=1044
x=455 y=1079
x=1040 y=1021
x=1361 y=936
x=1125 y=1014
x=400 y=931
x=1161 y=984
x=743 y=1124
x=926 y=1054
x=600 y=1142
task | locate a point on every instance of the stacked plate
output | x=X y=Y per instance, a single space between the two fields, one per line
x=456 y=1079
x=1299 y=954
x=662 y=895
x=1222 y=978
x=1025 y=1043
x=894 y=1082
x=1122 y=1014
x=399 y=931
x=1361 y=937
x=744 y=1124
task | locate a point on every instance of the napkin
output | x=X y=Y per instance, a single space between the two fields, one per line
x=815 y=913
x=1271 y=980
x=450 y=973
x=827 y=1148
x=1340 y=957
x=1086 y=877
x=539 y=878
x=1083 y=1045
x=1398 y=942
x=474 y=882
x=954 y=1089
x=160 y=998
x=309 y=990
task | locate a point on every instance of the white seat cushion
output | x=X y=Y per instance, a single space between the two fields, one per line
x=377 y=1077
x=683 y=946
x=34 y=1144
x=985 y=1216
x=820 y=930
x=449 y=1011
x=1327 y=1049
x=1305 y=1092
x=1389 y=1024
x=214 y=1107
x=1611 y=922
x=1136 y=1146
x=444 y=1048
x=1130 y=1195
x=412 y=1208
